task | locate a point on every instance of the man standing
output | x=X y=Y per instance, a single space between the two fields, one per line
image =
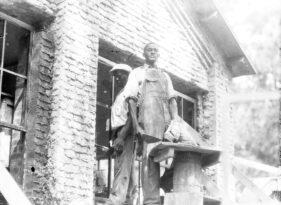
x=124 y=184
x=150 y=89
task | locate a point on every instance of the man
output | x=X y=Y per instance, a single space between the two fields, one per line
x=150 y=89
x=124 y=184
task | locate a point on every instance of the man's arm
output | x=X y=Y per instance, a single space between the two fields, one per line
x=122 y=134
x=133 y=114
x=173 y=108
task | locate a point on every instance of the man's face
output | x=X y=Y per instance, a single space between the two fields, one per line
x=151 y=53
x=121 y=78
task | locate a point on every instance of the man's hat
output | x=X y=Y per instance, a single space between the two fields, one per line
x=121 y=67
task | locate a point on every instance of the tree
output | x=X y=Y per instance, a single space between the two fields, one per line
x=256 y=24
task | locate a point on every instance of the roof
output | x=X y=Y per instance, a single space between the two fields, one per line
x=217 y=28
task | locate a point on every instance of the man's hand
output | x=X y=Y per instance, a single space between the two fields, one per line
x=139 y=131
x=118 y=145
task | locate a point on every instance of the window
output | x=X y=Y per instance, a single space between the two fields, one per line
x=187 y=108
x=104 y=101
x=106 y=93
x=14 y=50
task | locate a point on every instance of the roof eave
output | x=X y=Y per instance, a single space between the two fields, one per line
x=236 y=59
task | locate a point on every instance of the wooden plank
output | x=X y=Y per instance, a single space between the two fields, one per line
x=205 y=150
x=164 y=154
x=252 y=187
x=10 y=189
x=255 y=96
x=211 y=159
x=16 y=21
x=11 y=126
x=257 y=165
x=14 y=73
x=106 y=61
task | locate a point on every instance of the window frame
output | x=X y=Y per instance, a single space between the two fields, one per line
x=193 y=101
x=22 y=129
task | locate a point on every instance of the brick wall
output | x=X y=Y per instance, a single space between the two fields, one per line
x=59 y=156
x=129 y=25
x=60 y=153
x=38 y=121
x=217 y=125
x=71 y=148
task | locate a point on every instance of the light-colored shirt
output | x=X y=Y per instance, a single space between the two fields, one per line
x=135 y=81
x=119 y=111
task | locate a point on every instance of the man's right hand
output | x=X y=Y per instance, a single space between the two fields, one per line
x=118 y=145
x=139 y=131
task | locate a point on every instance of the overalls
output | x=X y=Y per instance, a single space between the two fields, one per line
x=154 y=117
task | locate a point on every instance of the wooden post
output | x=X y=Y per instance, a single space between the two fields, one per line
x=187 y=180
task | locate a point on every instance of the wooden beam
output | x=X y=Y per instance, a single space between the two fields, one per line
x=12 y=126
x=105 y=61
x=257 y=165
x=255 y=96
x=16 y=21
x=263 y=198
x=164 y=154
x=10 y=189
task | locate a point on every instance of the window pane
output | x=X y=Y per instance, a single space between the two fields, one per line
x=102 y=128
x=188 y=112
x=103 y=106
x=104 y=85
x=179 y=102
x=5 y=140
x=16 y=49
x=17 y=155
x=6 y=113
x=1 y=37
x=13 y=94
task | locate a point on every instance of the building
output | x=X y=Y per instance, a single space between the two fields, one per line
x=56 y=89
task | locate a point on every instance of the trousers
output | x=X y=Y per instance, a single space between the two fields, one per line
x=125 y=182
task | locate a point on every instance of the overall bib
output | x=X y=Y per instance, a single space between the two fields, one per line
x=154 y=117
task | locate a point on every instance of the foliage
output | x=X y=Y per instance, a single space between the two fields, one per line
x=256 y=24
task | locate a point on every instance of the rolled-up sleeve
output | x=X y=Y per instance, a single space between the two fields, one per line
x=170 y=88
x=131 y=88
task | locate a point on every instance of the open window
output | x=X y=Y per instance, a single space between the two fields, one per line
x=14 y=50
x=106 y=93
x=187 y=108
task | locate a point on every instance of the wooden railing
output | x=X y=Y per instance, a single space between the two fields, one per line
x=10 y=189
